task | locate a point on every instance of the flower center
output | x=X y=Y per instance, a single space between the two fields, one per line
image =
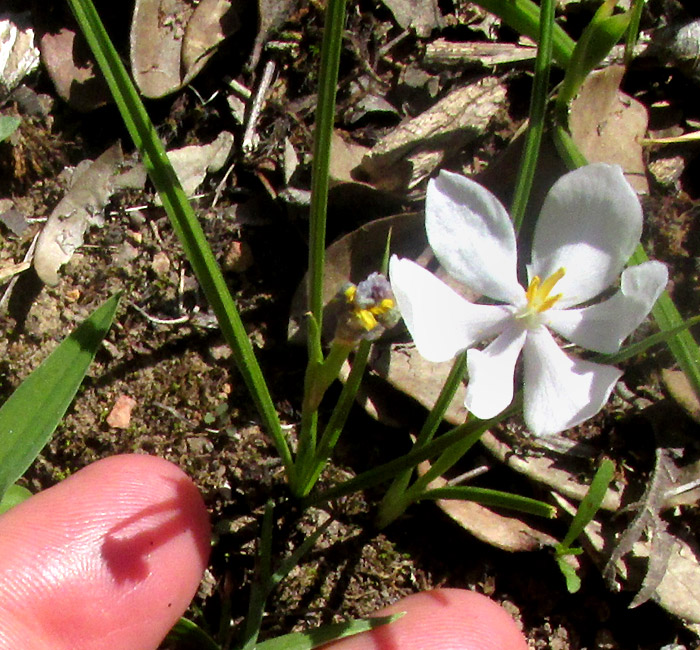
x=539 y=298
x=367 y=315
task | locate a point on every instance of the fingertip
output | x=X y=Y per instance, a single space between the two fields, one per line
x=442 y=619
x=108 y=558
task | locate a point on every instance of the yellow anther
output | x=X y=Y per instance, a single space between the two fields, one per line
x=350 y=293
x=366 y=319
x=383 y=307
x=537 y=294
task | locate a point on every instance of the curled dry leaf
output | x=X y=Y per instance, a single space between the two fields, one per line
x=608 y=125
x=411 y=152
x=172 y=40
x=211 y=22
x=80 y=208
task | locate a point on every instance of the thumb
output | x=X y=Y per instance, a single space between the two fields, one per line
x=107 y=559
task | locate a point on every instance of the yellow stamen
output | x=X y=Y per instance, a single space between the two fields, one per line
x=383 y=307
x=366 y=318
x=537 y=294
x=350 y=293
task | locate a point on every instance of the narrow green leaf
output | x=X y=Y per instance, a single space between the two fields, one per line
x=187 y=635
x=573 y=582
x=182 y=217
x=326 y=634
x=494 y=498
x=524 y=17
x=590 y=503
x=599 y=37
x=14 y=495
x=536 y=119
x=32 y=413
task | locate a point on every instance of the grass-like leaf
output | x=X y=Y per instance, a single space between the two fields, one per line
x=32 y=413
x=322 y=635
x=182 y=217
x=494 y=498
x=187 y=635
x=524 y=17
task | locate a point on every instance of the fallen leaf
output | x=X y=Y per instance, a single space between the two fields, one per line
x=80 y=208
x=679 y=590
x=608 y=125
x=192 y=163
x=157 y=34
x=509 y=533
x=211 y=23
x=67 y=58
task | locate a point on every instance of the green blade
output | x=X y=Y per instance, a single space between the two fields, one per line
x=32 y=413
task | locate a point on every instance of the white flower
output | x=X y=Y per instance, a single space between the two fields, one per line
x=590 y=224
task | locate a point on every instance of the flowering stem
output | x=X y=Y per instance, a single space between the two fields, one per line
x=320 y=374
x=339 y=416
x=538 y=105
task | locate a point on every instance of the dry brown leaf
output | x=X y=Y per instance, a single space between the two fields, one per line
x=80 y=208
x=345 y=157
x=157 y=33
x=211 y=22
x=69 y=63
x=678 y=592
x=192 y=163
x=508 y=533
x=608 y=125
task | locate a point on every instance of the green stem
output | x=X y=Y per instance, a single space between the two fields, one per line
x=538 y=106
x=340 y=414
x=325 y=120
